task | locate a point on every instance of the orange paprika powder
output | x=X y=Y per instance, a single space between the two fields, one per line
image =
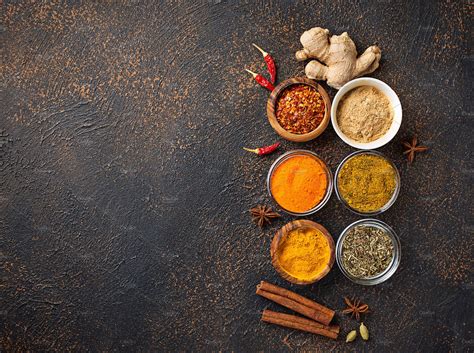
x=299 y=183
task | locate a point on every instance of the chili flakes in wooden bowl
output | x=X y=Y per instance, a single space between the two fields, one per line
x=300 y=109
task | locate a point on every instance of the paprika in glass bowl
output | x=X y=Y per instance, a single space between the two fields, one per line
x=299 y=109
x=300 y=182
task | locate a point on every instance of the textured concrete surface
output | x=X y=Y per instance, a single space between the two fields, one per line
x=124 y=189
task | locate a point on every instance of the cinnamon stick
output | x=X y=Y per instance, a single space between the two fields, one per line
x=299 y=323
x=302 y=320
x=266 y=286
x=295 y=306
x=295 y=302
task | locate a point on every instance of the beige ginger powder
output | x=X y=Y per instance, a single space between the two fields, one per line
x=364 y=114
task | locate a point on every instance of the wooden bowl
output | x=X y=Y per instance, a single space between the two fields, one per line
x=281 y=233
x=271 y=106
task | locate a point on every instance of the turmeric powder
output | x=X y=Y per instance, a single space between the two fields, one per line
x=304 y=253
x=299 y=183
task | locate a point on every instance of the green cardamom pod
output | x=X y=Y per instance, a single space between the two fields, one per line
x=364 y=332
x=351 y=336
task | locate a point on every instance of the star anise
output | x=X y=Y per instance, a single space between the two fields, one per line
x=263 y=214
x=355 y=308
x=412 y=148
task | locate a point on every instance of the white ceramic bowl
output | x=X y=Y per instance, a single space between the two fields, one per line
x=391 y=95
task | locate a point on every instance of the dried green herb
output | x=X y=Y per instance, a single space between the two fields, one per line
x=366 y=251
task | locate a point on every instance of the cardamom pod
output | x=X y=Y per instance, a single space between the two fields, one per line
x=364 y=332
x=351 y=336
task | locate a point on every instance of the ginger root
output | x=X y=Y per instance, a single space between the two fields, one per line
x=337 y=57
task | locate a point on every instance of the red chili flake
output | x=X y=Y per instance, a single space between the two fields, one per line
x=300 y=109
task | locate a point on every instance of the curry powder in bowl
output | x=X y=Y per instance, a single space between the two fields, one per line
x=367 y=182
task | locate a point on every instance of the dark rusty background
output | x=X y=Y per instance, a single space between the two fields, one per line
x=125 y=191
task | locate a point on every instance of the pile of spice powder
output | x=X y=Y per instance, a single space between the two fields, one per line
x=304 y=253
x=364 y=114
x=300 y=109
x=367 y=182
x=299 y=183
x=366 y=251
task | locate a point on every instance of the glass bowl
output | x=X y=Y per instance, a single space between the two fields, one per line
x=388 y=204
x=392 y=267
x=289 y=155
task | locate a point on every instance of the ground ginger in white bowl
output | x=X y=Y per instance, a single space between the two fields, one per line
x=366 y=113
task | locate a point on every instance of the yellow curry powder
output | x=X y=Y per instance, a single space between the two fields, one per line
x=299 y=183
x=367 y=182
x=304 y=253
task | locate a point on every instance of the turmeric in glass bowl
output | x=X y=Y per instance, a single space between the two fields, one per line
x=299 y=183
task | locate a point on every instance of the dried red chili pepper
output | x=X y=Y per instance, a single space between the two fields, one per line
x=264 y=150
x=270 y=63
x=262 y=81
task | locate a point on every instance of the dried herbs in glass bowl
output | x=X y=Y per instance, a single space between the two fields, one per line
x=368 y=252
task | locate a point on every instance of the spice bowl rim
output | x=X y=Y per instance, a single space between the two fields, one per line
x=298 y=224
x=271 y=106
x=395 y=103
x=329 y=187
x=391 y=268
x=385 y=207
